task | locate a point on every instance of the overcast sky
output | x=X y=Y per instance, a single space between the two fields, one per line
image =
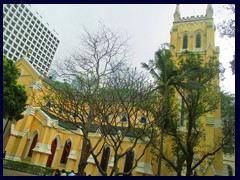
x=147 y=25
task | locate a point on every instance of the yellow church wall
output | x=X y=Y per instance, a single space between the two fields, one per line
x=28 y=76
x=12 y=143
x=219 y=155
x=18 y=146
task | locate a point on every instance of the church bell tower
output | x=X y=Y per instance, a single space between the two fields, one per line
x=197 y=34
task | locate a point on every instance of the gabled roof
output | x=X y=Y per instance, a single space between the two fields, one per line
x=26 y=61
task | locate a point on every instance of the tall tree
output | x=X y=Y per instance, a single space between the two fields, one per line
x=163 y=71
x=98 y=89
x=198 y=92
x=227 y=29
x=14 y=95
x=102 y=53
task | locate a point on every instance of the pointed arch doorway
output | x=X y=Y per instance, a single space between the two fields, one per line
x=53 y=150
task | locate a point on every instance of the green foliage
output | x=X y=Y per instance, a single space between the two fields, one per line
x=163 y=70
x=228 y=118
x=196 y=82
x=27 y=168
x=198 y=88
x=228 y=106
x=14 y=95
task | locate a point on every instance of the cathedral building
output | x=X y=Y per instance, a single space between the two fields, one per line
x=43 y=139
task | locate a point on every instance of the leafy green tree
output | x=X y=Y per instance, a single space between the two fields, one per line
x=199 y=95
x=163 y=71
x=196 y=85
x=228 y=118
x=14 y=95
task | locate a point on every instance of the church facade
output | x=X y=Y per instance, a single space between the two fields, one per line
x=43 y=139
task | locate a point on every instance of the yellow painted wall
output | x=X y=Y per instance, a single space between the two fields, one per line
x=19 y=145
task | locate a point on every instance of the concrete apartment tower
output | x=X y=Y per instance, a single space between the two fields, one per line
x=25 y=33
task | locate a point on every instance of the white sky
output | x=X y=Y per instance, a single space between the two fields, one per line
x=148 y=25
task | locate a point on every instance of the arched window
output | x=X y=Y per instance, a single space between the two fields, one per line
x=143 y=120
x=105 y=159
x=106 y=117
x=53 y=150
x=198 y=41
x=66 y=152
x=19 y=72
x=185 y=42
x=123 y=119
x=129 y=162
x=34 y=142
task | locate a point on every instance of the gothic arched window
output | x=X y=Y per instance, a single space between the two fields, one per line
x=185 y=42
x=198 y=41
x=34 y=142
x=19 y=72
x=143 y=119
x=66 y=152
x=123 y=119
x=105 y=159
x=129 y=162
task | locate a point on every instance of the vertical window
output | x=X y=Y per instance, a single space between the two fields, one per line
x=66 y=152
x=105 y=159
x=143 y=119
x=185 y=42
x=128 y=162
x=34 y=142
x=123 y=119
x=106 y=117
x=198 y=41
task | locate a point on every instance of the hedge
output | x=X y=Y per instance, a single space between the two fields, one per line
x=27 y=168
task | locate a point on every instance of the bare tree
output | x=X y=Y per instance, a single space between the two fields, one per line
x=102 y=53
x=227 y=29
x=123 y=114
x=97 y=90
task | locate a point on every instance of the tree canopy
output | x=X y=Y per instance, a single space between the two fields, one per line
x=14 y=95
x=196 y=84
x=228 y=118
x=101 y=91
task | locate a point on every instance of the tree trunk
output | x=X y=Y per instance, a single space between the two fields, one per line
x=83 y=160
x=6 y=125
x=160 y=154
x=189 y=166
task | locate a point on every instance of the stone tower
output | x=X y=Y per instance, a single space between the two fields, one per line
x=197 y=34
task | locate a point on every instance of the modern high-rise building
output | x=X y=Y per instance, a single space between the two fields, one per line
x=25 y=33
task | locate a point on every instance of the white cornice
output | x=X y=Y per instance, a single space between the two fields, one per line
x=18 y=133
x=145 y=168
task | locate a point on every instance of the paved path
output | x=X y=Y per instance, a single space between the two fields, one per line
x=9 y=172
